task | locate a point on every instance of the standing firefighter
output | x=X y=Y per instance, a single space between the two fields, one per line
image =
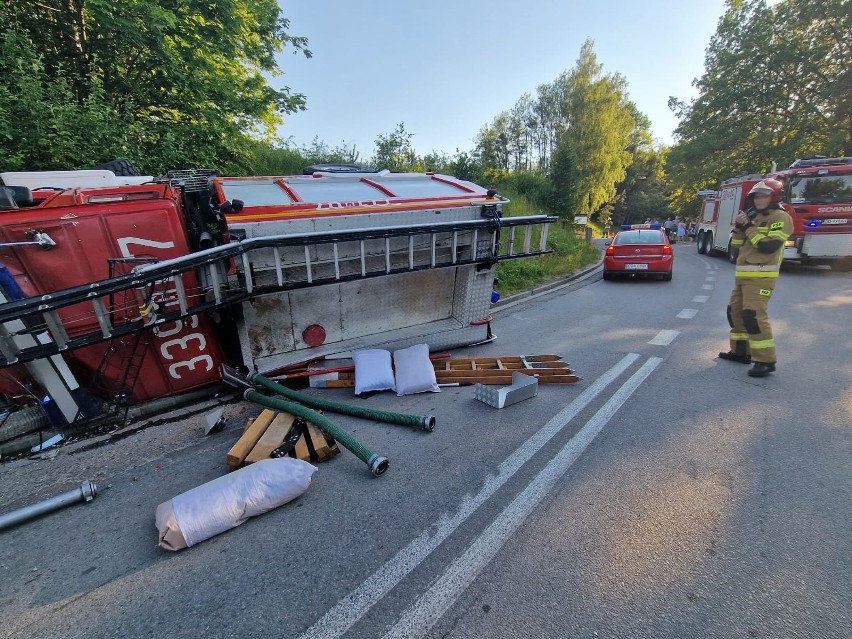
x=759 y=234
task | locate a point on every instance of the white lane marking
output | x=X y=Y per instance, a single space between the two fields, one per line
x=349 y=610
x=687 y=313
x=700 y=298
x=708 y=287
x=664 y=338
x=710 y=279
x=431 y=605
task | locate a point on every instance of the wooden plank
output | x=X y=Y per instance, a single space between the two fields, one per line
x=506 y=380
x=301 y=449
x=274 y=436
x=451 y=376
x=321 y=443
x=246 y=442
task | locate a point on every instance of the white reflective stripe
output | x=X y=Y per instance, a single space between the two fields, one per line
x=758 y=267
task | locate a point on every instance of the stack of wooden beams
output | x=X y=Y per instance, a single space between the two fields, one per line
x=269 y=430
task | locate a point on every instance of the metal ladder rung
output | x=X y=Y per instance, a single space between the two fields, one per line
x=545 y=230
x=336 y=262
x=180 y=291
x=279 y=272
x=102 y=315
x=57 y=331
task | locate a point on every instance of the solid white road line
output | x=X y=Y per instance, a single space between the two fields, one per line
x=700 y=298
x=356 y=604
x=687 y=313
x=664 y=338
x=431 y=606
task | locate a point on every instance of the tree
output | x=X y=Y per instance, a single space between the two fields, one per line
x=601 y=123
x=394 y=152
x=777 y=85
x=191 y=74
x=563 y=178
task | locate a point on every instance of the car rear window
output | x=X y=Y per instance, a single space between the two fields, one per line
x=639 y=237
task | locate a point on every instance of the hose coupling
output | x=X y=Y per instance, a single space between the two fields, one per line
x=378 y=465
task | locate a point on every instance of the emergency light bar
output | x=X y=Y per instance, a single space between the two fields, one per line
x=631 y=227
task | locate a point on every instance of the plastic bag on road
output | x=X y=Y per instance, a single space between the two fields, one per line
x=228 y=501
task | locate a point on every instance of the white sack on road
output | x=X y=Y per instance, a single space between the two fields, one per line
x=228 y=501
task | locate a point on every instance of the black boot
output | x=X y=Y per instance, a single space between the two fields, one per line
x=761 y=369
x=735 y=357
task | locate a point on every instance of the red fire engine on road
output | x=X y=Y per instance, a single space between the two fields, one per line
x=818 y=193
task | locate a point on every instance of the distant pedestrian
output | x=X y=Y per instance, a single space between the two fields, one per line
x=681 y=231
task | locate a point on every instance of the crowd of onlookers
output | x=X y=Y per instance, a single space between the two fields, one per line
x=677 y=229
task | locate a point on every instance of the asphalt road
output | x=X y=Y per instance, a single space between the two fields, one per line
x=667 y=494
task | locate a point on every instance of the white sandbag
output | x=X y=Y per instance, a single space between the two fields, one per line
x=228 y=501
x=415 y=372
x=373 y=370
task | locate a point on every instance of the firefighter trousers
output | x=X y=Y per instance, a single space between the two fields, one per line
x=751 y=335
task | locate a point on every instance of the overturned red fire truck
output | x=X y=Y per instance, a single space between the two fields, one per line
x=131 y=288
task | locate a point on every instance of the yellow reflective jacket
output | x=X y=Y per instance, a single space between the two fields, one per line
x=762 y=243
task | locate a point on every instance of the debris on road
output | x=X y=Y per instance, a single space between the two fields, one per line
x=230 y=500
x=86 y=492
x=523 y=387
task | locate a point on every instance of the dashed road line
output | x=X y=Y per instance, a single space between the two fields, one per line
x=664 y=338
x=708 y=287
x=687 y=313
x=700 y=298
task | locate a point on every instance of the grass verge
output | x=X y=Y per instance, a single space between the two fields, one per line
x=570 y=253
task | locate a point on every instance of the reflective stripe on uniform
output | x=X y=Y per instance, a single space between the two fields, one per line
x=766 y=292
x=750 y=274
x=759 y=344
x=737 y=242
x=737 y=337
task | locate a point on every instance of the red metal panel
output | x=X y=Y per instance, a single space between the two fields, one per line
x=181 y=355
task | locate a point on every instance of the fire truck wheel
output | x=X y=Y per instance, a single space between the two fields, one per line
x=120 y=167
x=843 y=265
x=700 y=246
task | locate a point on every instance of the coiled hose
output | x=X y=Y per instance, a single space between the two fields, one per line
x=377 y=464
x=426 y=422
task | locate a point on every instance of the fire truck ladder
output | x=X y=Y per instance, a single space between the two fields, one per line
x=244 y=269
x=122 y=360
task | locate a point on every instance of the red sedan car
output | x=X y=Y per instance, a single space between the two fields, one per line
x=639 y=249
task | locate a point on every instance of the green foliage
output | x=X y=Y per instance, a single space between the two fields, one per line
x=563 y=178
x=44 y=126
x=174 y=82
x=776 y=86
x=576 y=131
x=394 y=151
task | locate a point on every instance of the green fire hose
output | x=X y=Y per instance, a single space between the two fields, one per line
x=377 y=464
x=426 y=422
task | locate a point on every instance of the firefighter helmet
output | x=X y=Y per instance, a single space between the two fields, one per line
x=771 y=186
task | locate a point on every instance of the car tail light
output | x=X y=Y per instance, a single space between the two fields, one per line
x=667 y=249
x=610 y=250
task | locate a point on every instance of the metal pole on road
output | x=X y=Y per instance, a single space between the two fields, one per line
x=86 y=492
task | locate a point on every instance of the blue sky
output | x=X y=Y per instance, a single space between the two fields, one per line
x=446 y=68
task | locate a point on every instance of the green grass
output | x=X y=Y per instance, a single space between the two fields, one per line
x=570 y=253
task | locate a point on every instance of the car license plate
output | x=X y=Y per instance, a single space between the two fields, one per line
x=836 y=220
x=636 y=267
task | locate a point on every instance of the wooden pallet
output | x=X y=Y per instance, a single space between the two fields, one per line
x=548 y=369
x=268 y=431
